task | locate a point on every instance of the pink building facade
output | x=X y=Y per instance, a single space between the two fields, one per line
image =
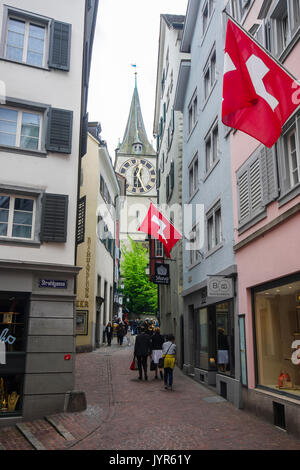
x=266 y=197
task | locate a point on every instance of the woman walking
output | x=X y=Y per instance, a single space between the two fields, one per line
x=109 y=333
x=169 y=354
x=156 y=350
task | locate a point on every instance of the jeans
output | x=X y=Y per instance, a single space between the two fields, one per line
x=168 y=376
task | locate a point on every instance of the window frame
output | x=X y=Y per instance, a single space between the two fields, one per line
x=192 y=112
x=195 y=254
x=191 y=169
x=213 y=151
x=208 y=70
x=210 y=6
x=211 y=214
x=27 y=17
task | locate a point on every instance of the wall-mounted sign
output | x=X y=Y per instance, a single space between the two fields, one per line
x=53 y=284
x=162 y=274
x=219 y=286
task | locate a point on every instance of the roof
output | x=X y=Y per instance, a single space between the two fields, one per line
x=135 y=130
x=176 y=21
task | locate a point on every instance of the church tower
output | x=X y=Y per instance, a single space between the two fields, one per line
x=136 y=161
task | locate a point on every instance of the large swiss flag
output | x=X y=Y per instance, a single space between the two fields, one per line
x=156 y=225
x=258 y=94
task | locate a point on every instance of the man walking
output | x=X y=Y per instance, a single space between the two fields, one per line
x=142 y=350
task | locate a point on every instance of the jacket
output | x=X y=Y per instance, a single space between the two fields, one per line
x=142 y=345
x=156 y=342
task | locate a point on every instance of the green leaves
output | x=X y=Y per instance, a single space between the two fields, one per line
x=137 y=287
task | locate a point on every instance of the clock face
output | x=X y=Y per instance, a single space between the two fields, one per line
x=140 y=175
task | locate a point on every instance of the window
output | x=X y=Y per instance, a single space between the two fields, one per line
x=277 y=325
x=214 y=227
x=293 y=157
x=212 y=147
x=25 y=42
x=210 y=74
x=194 y=245
x=244 y=7
x=17 y=217
x=206 y=14
x=193 y=176
x=20 y=128
x=290 y=158
x=192 y=113
x=159 y=251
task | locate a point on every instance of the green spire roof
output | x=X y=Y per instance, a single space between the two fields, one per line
x=135 y=132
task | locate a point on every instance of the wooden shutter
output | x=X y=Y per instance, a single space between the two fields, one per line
x=60 y=126
x=269 y=174
x=81 y=210
x=84 y=134
x=256 y=195
x=243 y=197
x=60 y=46
x=54 y=218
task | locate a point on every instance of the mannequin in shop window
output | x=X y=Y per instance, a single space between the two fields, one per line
x=222 y=350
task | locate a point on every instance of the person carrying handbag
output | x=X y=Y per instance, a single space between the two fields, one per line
x=169 y=354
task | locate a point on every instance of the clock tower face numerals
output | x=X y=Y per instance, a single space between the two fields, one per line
x=140 y=175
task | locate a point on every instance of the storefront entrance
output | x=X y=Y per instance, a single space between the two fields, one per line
x=14 y=309
x=277 y=330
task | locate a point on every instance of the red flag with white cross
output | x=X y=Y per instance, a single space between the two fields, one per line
x=156 y=225
x=258 y=94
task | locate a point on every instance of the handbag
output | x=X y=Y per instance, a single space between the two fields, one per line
x=133 y=365
x=161 y=361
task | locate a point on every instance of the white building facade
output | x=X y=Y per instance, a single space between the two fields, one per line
x=41 y=126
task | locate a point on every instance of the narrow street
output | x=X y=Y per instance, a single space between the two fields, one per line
x=124 y=413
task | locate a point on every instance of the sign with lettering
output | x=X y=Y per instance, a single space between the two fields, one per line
x=53 y=284
x=162 y=274
x=219 y=286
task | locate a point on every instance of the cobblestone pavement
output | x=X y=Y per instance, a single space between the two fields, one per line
x=124 y=413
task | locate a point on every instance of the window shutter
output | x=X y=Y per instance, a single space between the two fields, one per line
x=54 y=218
x=243 y=197
x=269 y=175
x=173 y=120
x=81 y=209
x=84 y=134
x=59 y=136
x=172 y=175
x=60 y=46
x=255 y=187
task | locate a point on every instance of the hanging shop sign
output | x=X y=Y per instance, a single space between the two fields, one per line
x=162 y=274
x=219 y=286
x=53 y=284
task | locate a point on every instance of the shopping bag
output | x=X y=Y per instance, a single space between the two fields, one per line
x=133 y=365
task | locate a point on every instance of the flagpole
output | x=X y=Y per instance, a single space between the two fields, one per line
x=262 y=47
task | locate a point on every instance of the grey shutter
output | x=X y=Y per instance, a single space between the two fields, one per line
x=60 y=45
x=84 y=134
x=243 y=196
x=255 y=187
x=81 y=210
x=269 y=175
x=172 y=175
x=60 y=126
x=54 y=218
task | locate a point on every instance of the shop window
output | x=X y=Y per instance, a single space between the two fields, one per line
x=277 y=323
x=13 y=316
x=225 y=338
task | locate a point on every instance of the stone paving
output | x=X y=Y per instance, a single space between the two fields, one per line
x=124 y=413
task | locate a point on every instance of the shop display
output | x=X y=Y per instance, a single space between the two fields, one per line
x=8 y=401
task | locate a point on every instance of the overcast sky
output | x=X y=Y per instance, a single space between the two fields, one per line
x=127 y=32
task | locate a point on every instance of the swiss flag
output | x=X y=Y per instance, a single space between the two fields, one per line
x=258 y=94
x=156 y=225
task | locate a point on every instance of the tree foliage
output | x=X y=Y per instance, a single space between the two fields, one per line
x=137 y=287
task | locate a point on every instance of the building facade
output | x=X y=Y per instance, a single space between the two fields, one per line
x=266 y=194
x=99 y=197
x=168 y=128
x=210 y=323
x=42 y=63
x=135 y=160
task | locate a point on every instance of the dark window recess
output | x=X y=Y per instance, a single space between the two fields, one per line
x=60 y=46
x=172 y=175
x=81 y=220
x=223 y=390
x=60 y=125
x=84 y=134
x=279 y=415
x=201 y=377
x=54 y=218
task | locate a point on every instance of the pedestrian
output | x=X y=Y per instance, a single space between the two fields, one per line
x=169 y=354
x=156 y=351
x=109 y=333
x=142 y=350
x=128 y=336
x=222 y=350
x=120 y=333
